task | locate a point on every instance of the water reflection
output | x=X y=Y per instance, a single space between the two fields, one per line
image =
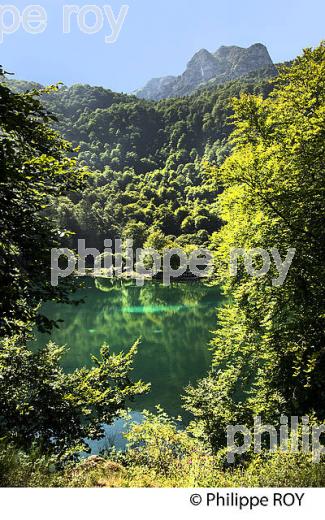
x=174 y=324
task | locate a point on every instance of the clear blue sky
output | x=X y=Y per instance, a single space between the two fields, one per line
x=158 y=38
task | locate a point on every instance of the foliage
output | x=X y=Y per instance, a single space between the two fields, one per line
x=40 y=404
x=269 y=345
x=178 y=205
x=122 y=132
x=147 y=161
x=154 y=184
x=21 y=469
x=35 y=169
x=162 y=455
x=42 y=407
x=158 y=443
x=189 y=465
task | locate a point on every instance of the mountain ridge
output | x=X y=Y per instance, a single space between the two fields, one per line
x=225 y=64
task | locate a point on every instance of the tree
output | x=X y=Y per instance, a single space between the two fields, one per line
x=269 y=347
x=41 y=405
x=36 y=168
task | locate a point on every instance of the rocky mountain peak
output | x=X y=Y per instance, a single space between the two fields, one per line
x=226 y=64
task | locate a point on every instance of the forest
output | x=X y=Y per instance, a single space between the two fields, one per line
x=149 y=162
x=234 y=166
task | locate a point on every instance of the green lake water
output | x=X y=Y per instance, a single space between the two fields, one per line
x=174 y=324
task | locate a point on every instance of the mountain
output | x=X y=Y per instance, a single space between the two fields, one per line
x=226 y=64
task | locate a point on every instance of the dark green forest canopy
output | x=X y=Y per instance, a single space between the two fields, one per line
x=121 y=131
x=148 y=179
x=35 y=170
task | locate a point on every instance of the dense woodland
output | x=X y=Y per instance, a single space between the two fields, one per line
x=148 y=181
x=241 y=165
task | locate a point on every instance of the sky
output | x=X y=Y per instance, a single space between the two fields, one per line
x=156 y=38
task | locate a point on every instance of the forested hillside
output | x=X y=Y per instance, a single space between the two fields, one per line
x=148 y=179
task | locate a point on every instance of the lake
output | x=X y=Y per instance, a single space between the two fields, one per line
x=174 y=324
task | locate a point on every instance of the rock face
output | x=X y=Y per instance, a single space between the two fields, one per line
x=226 y=64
